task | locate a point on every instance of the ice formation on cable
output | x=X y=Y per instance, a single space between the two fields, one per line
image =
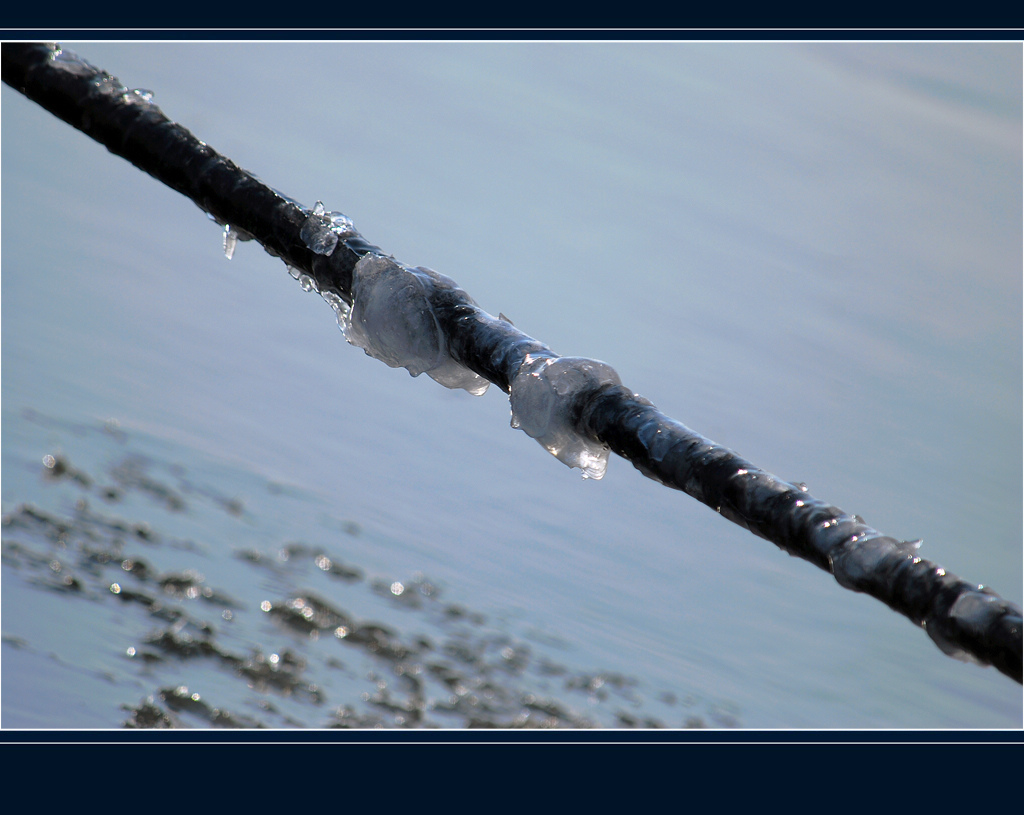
x=341 y=308
x=321 y=229
x=543 y=395
x=392 y=320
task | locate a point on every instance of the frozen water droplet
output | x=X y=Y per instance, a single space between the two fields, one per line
x=341 y=308
x=308 y=283
x=392 y=320
x=295 y=273
x=543 y=395
x=137 y=96
x=107 y=85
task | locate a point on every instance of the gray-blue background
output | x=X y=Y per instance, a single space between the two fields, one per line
x=810 y=253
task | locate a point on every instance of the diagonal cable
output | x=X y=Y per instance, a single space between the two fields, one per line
x=964 y=619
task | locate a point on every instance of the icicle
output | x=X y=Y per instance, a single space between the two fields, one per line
x=230 y=241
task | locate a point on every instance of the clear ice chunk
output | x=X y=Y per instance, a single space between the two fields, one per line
x=392 y=320
x=341 y=223
x=542 y=396
x=316 y=232
x=322 y=229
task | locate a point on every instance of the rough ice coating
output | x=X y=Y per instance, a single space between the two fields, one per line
x=542 y=394
x=392 y=320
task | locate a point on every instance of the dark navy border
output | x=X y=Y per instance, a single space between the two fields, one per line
x=987 y=33
x=428 y=736
x=547 y=777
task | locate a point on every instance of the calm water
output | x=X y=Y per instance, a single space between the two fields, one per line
x=810 y=253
